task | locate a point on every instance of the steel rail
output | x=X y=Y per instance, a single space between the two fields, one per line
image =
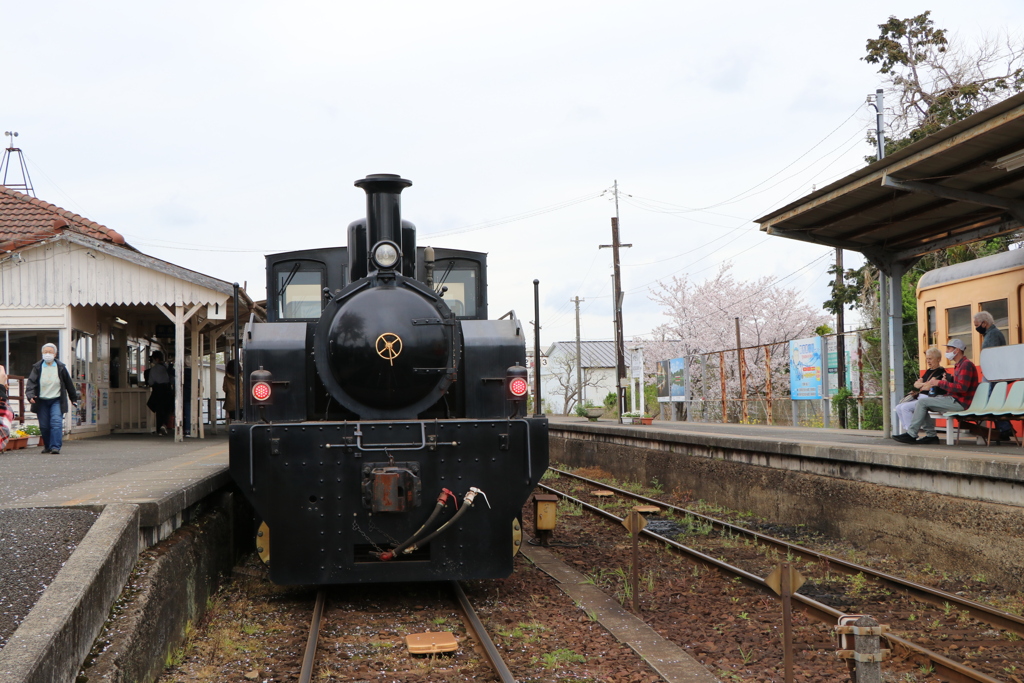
x=953 y=671
x=497 y=663
x=314 y=632
x=984 y=613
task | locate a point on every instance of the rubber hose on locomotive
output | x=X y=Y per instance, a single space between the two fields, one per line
x=467 y=503
x=442 y=500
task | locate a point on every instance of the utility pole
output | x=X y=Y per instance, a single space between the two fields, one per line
x=883 y=289
x=579 y=357
x=620 y=352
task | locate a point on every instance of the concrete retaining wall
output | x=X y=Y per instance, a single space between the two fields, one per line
x=956 y=534
x=168 y=590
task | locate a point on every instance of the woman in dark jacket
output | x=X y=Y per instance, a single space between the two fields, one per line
x=48 y=389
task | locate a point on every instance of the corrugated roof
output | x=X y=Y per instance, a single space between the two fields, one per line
x=594 y=354
x=945 y=189
x=25 y=220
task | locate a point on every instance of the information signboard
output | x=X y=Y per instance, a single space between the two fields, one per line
x=805 y=369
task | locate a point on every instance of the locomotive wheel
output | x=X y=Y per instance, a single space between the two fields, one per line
x=263 y=542
x=517 y=536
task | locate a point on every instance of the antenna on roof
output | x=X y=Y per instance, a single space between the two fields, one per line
x=5 y=167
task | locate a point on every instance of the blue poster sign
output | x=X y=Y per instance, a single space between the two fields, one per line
x=671 y=376
x=805 y=368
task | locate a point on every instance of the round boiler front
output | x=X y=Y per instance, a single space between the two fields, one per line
x=387 y=349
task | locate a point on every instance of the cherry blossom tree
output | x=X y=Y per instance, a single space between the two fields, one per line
x=702 y=320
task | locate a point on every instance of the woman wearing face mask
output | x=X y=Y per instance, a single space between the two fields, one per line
x=49 y=389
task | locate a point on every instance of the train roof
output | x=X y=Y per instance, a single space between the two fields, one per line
x=968 y=269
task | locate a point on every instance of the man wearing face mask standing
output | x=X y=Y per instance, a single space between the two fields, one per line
x=959 y=388
x=985 y=325
x=48 y=389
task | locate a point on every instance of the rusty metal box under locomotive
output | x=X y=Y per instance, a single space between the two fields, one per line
x=382 y=440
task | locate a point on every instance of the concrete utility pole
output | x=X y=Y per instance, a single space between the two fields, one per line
x=620 y=352
x=884 y=303
x=579 y=356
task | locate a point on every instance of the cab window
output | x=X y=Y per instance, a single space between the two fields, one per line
x=299 y=289
x=461 y=278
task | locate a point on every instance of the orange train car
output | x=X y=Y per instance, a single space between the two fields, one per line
x=948 y=298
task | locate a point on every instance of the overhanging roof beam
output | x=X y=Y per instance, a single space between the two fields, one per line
x=1011 y=205
x=987 y=231
x=863 y=231
x=953 y=226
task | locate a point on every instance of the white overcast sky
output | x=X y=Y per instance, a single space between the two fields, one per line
x=212 y=133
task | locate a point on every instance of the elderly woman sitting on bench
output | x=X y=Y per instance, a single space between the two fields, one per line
x=905 y=409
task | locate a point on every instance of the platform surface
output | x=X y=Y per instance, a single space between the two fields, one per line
x=159 y=475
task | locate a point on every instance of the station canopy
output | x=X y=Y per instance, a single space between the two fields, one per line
x=962 y=184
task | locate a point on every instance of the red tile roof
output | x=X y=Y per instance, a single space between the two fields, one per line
x=25 y=220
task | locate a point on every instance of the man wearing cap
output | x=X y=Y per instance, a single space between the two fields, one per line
x=959 y=388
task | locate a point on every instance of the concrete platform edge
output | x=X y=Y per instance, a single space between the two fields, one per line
x=669 y=660
x=170 y=590
x=50 y=645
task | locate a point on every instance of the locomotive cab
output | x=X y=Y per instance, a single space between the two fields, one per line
x=383 y=390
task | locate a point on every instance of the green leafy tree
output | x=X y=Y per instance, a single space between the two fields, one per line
x=933 y=78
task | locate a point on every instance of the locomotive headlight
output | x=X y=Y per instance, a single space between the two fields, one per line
x=385 y=255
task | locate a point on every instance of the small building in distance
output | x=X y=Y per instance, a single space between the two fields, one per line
x=559 y=377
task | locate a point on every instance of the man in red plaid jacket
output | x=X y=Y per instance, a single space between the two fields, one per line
x=6 y=416
x=959 y=387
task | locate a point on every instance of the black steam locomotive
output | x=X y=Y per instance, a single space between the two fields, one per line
x=385 y=434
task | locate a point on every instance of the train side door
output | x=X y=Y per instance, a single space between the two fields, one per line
x=930 y=329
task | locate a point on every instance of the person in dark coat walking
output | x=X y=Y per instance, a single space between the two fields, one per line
x=161 y=400
x=49 y=389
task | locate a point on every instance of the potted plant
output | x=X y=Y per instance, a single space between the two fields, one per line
x=589 y=411
x=19 y=439
x=638 y=418
x=33 y=434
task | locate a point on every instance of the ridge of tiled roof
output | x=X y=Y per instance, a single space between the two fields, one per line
x=26 y=220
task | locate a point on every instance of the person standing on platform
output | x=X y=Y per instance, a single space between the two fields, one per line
x=49 y=388
x=959 y=388
x=228 y=385
x=985 y=325
x=6 y=415
x=161 y=398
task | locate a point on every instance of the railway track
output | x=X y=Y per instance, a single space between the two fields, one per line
x=474 y=626
x=916 y=630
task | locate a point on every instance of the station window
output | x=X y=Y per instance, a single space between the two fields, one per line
x=461 y=278
x=958 y=326
x=1000 y=313
x=299 y=289
x=21 y=349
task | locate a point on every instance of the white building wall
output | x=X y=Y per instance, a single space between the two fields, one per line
x=62 y=273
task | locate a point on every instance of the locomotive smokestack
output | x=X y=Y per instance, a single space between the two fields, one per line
x=383 y=206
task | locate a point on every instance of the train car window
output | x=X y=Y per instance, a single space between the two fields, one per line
x=933 y=330
x=461 y=281
x=958 y=326
x=299 y=289
x=1000 y=311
